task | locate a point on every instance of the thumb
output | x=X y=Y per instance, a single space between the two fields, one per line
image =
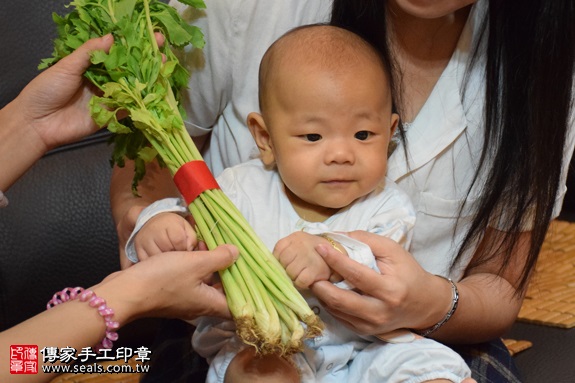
x=79 y=60
x=380 y=246
x=222 y=257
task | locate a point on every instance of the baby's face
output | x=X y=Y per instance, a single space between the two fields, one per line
x=330 y=131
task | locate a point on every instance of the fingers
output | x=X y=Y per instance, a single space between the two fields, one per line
x=358 y=275
x=191 y=236
x=220 y=258
x=335 y=278
x=79 y=60
x=379 y=245
x=345 y=305
x=304 y=279
x=210 y=300
x=160 y=38
x=147 y=250
x=362 y=313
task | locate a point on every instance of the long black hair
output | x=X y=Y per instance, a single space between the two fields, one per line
x=530 y=58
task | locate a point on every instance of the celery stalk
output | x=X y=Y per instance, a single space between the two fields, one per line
x=269 y=312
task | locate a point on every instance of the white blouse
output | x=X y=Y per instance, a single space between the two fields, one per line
x=444 y=140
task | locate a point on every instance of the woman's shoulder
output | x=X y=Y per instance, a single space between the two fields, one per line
x=266 y=13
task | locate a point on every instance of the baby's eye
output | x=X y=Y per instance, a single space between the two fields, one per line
x=362 y=135
x=312 y=137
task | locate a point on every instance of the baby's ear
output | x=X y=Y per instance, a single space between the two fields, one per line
x=260 y=133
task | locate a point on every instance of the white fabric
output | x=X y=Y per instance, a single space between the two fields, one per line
x=372 y=362
x=444 y=140
x=259 y=194
x=338 y=355
x=223 y=87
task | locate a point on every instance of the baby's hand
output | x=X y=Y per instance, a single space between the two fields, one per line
x=165 y=232
x=304 y=265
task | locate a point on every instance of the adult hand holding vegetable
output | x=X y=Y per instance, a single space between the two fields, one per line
x=51 y=110
x=175 y=285
x=134 y=79
x=171 y=286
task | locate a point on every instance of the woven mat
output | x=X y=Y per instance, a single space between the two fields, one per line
x=516 y=346
x=550 y=298
x=103 y=377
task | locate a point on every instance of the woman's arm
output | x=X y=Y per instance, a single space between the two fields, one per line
x=171 y=286
x=406 y=296
x=50 y=111
x=489 y=300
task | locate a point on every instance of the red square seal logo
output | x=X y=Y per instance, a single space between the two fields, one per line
x=23 y=359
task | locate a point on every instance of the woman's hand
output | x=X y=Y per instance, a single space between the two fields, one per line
x=404 y=295
x=56 y=102
x=51 y=110
x=173 y=285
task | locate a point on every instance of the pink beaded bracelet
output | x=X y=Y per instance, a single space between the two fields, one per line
x=71 y=293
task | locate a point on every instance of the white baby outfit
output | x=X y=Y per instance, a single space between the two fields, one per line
x=339 y=354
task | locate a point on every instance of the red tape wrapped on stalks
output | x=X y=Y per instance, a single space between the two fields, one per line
x=268 y=310
x=194 y=178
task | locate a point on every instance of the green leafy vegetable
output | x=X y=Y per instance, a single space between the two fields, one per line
x=132 y=74
x=133 y=78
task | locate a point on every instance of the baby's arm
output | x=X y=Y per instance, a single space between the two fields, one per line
x=164 y=232
x=304 y=265
x=172 y=232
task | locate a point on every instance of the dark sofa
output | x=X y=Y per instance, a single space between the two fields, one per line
x=58 y=229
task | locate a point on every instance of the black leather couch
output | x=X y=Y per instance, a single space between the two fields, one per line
x=58 y=229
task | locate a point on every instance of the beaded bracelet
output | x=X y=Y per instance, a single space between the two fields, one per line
x=454 y=302
x=71 y=293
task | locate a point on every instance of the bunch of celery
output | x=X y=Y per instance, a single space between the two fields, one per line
x=269 y=312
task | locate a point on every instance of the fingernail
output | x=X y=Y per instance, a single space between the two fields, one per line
x=234 y=250
x=322 y=250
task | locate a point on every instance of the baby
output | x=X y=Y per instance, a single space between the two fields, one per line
x=323 y=133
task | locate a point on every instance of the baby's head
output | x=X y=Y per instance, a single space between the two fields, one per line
x=326 y=116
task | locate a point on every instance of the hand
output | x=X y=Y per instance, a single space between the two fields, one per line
x=175 y=285
x=297 y=254
x=165 y=232
x=126 y=207
x=55 y=103
x=399 y=297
